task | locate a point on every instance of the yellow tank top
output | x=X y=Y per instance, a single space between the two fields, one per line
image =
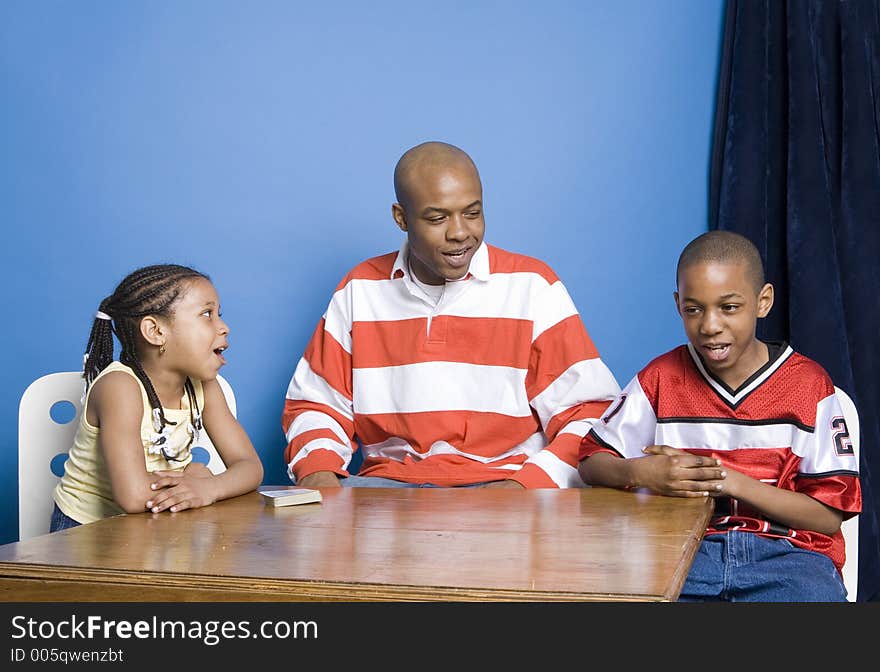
x=84 y=492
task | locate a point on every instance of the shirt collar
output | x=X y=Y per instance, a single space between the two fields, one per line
x=479 y=268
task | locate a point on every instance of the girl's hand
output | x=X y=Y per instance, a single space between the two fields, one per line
x=180 y=490
x=195 y=469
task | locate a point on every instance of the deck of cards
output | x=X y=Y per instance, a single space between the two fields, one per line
x=290 y=496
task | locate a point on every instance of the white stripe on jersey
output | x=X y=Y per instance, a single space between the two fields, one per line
x=397 y=449
x=578 y=427
x=564 y=475
x=431 y=386
x=311 y=420
x=504 y=295
x=553 y=306
x=306 y=384
x=337 y=321
x=633 y=419
x=568 y=389
x=828 y=460
x=732 y=435
x=319 y=444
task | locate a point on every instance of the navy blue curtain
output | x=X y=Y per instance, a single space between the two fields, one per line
x=796 y=168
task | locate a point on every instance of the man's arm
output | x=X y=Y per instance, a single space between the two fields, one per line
x=318 y=423
x=320 y=479
x=568 y=386
x=318 y=417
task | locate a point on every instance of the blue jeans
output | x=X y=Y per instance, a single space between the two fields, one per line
x=61 y=521
x=379 y=482
x=745 y=567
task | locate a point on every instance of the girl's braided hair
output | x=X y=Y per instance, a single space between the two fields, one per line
x=151 y=290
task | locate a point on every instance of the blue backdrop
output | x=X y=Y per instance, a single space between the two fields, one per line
x=256 y=142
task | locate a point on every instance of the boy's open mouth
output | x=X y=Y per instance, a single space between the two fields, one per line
x=717 y=352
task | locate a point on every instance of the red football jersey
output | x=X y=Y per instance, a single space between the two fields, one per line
x=784 y=426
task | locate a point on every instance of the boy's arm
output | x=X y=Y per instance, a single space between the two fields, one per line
x=676 y=473
x=794 y=509
x=628 y=430
x=827 y=484
x=603 y=468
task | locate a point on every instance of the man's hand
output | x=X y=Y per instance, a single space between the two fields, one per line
x=319 y=479
x=509 y=484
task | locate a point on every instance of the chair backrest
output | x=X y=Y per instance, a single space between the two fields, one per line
x=850 y=528
x=48 y=416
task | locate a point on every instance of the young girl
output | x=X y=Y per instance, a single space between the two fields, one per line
x=142 y=414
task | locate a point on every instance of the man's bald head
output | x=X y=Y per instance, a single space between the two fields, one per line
x=424 y=160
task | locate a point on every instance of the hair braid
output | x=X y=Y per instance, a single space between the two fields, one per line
x=151 y=290
x=99 y=349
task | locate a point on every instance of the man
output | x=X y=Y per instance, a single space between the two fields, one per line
x=451 y=362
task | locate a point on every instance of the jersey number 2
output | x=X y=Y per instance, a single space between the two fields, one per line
x=842 y=442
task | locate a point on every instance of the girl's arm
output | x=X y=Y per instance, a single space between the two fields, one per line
x=115 y=406
x=195 y=487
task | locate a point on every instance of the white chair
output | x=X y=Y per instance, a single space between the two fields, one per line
x=43 y=442
x=850 y=528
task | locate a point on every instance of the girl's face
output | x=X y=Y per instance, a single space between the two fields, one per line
x=196 y=334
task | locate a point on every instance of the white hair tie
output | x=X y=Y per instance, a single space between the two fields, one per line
x=102 y=316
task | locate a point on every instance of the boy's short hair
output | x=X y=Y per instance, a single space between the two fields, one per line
x=724 y=247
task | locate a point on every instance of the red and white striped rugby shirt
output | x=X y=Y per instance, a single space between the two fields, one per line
x=498 y=380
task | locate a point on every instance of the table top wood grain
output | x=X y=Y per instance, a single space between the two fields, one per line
x=419 y=544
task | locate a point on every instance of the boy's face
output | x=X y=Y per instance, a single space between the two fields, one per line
x=720 y=307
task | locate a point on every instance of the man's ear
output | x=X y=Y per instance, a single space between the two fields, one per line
x=399 y=216
x=675 y=298
x=765 y=300
x=152 y=331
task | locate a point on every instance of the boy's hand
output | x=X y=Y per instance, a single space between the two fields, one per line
x=677 y=473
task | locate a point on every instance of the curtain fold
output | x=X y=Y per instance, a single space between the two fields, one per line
x=796 y=168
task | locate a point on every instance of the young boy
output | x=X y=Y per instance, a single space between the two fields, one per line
x=755 y=425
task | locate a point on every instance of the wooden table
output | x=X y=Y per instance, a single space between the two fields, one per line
x=418 y=544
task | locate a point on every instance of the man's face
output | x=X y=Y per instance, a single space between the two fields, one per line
x=720 y=307
x=443 y=220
